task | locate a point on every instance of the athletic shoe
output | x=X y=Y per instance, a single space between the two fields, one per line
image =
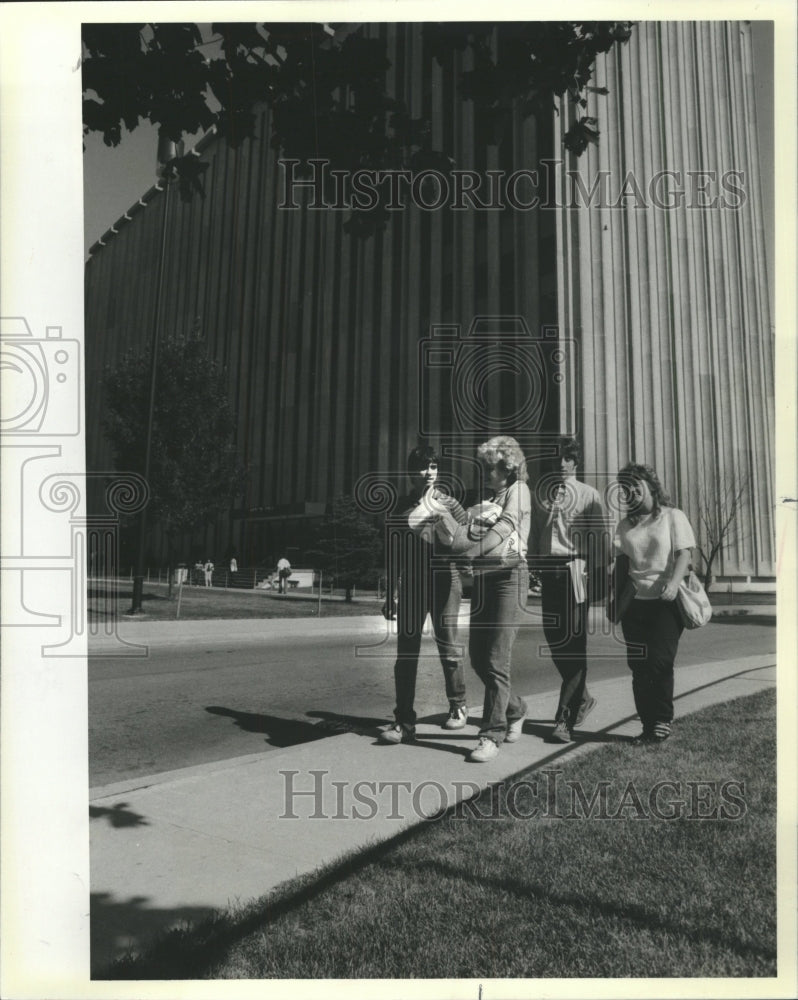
x=560 y=734
x=661 y=732
x=585 y=709
x=397 y=734
x=458 y=717
x=515 y=728
x=484 y=751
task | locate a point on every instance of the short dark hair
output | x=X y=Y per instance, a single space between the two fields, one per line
x=569 y=449
x=420 y=457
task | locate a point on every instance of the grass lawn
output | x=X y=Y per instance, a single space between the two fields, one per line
x=465 y=897
x=218 y=602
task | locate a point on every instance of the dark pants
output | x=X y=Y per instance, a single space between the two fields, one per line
x=565 y=628
x=497 y=603
x=656 y=627
x=438 y=595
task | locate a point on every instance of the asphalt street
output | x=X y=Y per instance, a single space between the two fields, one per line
x=207 y=701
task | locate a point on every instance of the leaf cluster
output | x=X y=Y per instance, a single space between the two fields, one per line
x=194 y=470
x=327 y=87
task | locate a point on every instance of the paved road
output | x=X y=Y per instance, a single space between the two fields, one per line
x=210 y=701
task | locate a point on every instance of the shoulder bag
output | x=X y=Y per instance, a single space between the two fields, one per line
x=693 y=603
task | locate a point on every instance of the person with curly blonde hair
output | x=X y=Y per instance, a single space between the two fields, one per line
x=495 y=543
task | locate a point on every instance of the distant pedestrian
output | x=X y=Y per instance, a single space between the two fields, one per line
x=198 y=571
x=283 y=572
x=208 y=569
x=233 y=565
x=655 y=540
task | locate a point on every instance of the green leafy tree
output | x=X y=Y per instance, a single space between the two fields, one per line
x=194 y=470
x=327 y=87
x=347 y=544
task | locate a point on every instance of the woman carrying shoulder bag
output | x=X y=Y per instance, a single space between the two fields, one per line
x=495 y=543
x=657 y=540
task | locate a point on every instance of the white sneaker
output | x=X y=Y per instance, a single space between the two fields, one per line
x=485 y=750
x=515 y=729
x=458 y=717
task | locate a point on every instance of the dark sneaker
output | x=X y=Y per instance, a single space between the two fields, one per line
x=585 y=709
x=647 y=736
x=661 y=732
x=397 y=734
x=560 y=734
x=458 y=717
x=484 y=751
x=515 y=728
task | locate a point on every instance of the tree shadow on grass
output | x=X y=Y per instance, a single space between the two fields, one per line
x=120 y=927
x=630 y=913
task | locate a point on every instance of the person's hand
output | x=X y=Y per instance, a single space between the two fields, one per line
x=670 y=591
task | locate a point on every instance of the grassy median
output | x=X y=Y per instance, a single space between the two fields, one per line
x=669 y=871
x=196 y=603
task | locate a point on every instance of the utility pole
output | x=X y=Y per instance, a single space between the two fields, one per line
x=167 y=153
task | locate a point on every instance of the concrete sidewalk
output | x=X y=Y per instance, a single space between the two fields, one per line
x=174 y=847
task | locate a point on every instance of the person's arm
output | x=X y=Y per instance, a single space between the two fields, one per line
x=516 y=512
x=683 y=541
x=393 y=570
x=682 y=564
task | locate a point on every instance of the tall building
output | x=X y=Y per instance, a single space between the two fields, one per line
x=559 y=307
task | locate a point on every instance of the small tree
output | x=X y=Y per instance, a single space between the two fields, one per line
x=719 y=507
x=347 y=544
x=194 y=470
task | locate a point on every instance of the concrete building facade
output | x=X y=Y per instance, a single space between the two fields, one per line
x=645 y=330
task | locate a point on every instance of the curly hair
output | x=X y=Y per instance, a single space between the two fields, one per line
x=635 y=472
x=504 y=451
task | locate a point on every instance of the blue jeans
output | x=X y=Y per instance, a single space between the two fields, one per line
x=437 y=594
x=497 y=604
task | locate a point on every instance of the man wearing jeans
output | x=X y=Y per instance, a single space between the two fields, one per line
x=568 y=535
x=422 y=580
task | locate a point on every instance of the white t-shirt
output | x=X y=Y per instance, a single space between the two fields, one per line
x=650 y=545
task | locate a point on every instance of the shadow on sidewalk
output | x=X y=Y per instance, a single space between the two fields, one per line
x=118 y=815
x=279 y=732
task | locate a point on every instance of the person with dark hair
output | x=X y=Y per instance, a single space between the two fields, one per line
x=656 y=540
x=423 y=580
x=569 y=542
x=495 y=542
